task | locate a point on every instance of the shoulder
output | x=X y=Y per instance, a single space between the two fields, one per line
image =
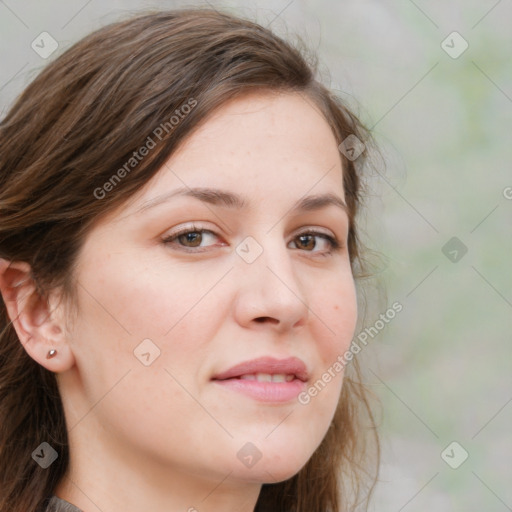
x=56 y=504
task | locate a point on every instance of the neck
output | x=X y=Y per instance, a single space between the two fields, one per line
x=102 y=477
x=132 y=491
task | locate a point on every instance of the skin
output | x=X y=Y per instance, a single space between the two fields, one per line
x=164 y=437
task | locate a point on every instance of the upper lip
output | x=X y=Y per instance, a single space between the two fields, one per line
x=270 y=365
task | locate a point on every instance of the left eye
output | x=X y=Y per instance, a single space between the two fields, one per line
x=315 y=242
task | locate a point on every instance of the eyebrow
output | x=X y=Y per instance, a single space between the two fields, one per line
x=227 y=199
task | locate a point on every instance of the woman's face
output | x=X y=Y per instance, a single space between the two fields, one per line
x=248 y=208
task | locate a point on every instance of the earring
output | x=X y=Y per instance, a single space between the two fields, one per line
x=51 y=353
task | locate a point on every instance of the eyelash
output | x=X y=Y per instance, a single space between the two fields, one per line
x=333 y=241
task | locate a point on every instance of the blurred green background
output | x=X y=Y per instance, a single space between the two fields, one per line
x=439 y=214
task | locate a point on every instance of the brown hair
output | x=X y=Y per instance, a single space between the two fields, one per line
x=62 y=143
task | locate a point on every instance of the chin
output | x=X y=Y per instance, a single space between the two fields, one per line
x=269 y=473
x=276 y=467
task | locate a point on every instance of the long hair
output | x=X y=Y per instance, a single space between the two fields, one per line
x=64 y=145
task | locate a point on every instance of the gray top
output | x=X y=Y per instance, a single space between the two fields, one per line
x=59 y=505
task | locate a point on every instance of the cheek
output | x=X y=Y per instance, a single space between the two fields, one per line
x=123 y=303
x=333 y=331
x=334 y=308
x=179 y=310
x=149 y=300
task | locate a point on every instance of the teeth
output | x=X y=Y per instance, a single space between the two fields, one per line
x=267 y=377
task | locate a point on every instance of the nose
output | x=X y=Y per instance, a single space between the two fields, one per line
x=269 y=291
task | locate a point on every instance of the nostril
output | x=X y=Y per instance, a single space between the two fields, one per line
x=262 y=319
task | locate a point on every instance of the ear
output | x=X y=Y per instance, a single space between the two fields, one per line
x=39 y=322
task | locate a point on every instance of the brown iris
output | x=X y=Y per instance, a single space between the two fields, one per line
x=308 y=241
x=192 y=239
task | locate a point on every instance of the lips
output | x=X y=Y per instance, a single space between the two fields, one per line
x=267 y=380
x=269 y=366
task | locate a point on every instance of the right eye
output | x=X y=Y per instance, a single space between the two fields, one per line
x=190 y=238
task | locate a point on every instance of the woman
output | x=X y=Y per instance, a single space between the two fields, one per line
x=178 y=252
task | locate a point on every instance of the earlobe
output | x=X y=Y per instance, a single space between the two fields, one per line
x=38 y=327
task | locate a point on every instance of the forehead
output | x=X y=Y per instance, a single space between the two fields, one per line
x=281 y=130
x=265 y=147
x=270 y=149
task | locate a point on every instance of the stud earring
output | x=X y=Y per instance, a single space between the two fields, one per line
x=51 y=353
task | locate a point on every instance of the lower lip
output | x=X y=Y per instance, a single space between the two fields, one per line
x=265 y=391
